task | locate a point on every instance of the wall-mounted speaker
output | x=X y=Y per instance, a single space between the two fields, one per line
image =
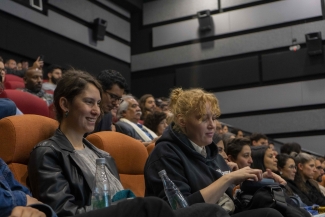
x=99 y=29
x=314 y=43
x=205 y=20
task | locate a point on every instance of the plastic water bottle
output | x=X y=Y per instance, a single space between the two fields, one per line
x=101 y=195
x=175 y=197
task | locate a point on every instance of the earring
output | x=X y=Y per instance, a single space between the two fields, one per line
x=280 y=172
x=66 y=113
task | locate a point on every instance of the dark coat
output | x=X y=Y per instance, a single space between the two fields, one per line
x=313 y=195
x=58 y=177
x=188 y=169
x=127 y=129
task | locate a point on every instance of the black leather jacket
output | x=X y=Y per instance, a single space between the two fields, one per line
x=58 y=177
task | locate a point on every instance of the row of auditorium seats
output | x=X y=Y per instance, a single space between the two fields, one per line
x=26 y=102
x=19 y=134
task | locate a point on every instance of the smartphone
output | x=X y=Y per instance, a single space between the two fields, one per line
x=41 y=57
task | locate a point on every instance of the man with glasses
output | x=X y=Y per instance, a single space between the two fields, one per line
x=114 y=86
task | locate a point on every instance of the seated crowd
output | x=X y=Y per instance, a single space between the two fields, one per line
x=206 y=159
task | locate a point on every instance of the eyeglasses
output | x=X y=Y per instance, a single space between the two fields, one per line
x=292 y=167
x=115 y=97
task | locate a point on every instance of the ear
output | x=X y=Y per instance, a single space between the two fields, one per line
x=49 y=75
x=64 y=104
x=25 y=79
x=181 y=120
x=300 y=166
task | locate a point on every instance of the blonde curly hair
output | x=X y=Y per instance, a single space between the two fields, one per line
x=192 y=101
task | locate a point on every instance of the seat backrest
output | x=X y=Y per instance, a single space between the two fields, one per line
x=26 y=102
x=150 y=147
x=14 y=85
x=10 y=77
x=130 y=156
x=18 y=135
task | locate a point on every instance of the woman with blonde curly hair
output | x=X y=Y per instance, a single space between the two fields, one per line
x=188 y=155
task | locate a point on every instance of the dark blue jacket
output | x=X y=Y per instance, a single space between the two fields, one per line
x=13 y=194
x=188 y=169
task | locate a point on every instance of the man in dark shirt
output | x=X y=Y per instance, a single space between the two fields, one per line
x=114 y=86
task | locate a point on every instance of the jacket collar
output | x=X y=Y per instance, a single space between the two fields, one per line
x=170 y=134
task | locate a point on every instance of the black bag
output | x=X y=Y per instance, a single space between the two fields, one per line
x=268 y=196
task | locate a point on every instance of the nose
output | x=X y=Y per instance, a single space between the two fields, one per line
x=250 y=160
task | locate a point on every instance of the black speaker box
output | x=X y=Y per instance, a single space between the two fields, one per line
x=314 y=43
x=99 y=29
x=205 y=20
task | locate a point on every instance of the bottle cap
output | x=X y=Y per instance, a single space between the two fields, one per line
x=100 y=160
x=162 y=172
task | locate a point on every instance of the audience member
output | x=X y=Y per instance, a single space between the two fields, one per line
x=24 y=64
x=224 y=165
x=2 y=71
x=287 y=169
x=33 y=84
x=239 y=152
x=19 y=67
x=61 y=169
x=129 y=114
x=16 y=198
x=54 y=73
x=304 y=185
x=187 y=153
x=288 y=148
x=147 y=105
x=114 y=86
x=218 y=128
x=224 y=128
x=263 y=158
x=226 y=137
x=11 y=64
x=156 y=122
x=318 y=175
x=258 y=139
x=237 y=132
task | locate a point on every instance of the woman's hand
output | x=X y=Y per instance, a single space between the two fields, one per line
x=241 y=175
x=21 y=211
x=233 y=166
x=269 y=174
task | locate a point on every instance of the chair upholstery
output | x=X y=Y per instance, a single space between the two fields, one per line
x=10 y=77
x=130 y=156
x=18 y=135
x=150 y=147
x=26 y=102
x=14 y=85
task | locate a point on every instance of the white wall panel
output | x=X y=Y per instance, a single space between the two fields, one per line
x=88 y=11
x=230 y=46
x=272 y=97
x=238 y=20
x=68 y=28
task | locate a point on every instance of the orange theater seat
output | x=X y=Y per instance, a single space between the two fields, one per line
x=18 y=135
x=150 y=147
x=130 y=156
x=26 y=102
